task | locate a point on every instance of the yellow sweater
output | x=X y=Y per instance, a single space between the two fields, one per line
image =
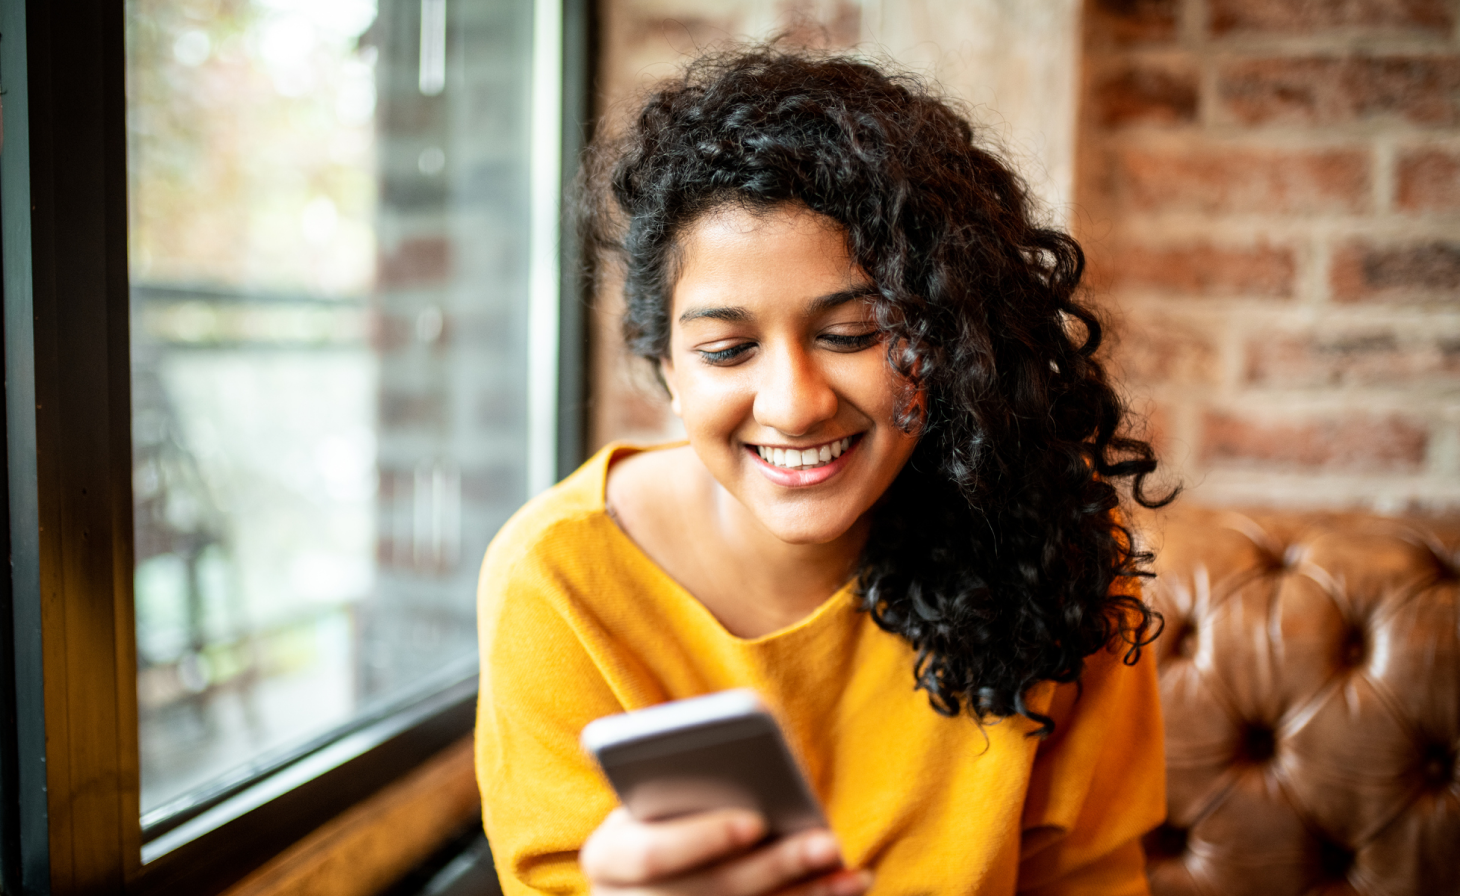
x=576 y=623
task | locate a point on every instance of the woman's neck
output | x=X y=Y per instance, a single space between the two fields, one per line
x=704 y=538
x=790 y=580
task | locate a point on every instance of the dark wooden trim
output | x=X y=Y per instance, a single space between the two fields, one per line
x=9 y=724
x=368 y=848
x=236 y=842
x=10 y=814
x=580 y=62
x=366 y=727
x=27 y=853
x=74 y=582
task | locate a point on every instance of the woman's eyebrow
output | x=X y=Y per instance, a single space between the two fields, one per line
x=832 y=300
x=732 y=313
x=735 y=314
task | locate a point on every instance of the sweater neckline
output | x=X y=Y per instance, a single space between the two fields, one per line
x=842 y=599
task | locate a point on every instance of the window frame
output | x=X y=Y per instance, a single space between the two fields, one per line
x=70 y=819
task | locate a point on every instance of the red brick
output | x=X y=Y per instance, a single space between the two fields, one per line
x=1146 y=94
x=389 y=332
x=685 y=35
x=1367 y=442
x=1429 y=180
x=1157 y=429
x=1305 y=16
x=1150 y=421
x=1204 y=270
x=1421 y=90
x=414 y=115
x=1366 y=272
x=1164 y=350
x=415 y=262
x=386 y=550
x=1133 y=21
x=1209 y=179
x=1363 y=358
x=399 y=410
x=803 y=24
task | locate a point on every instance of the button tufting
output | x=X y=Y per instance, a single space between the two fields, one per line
x=1335 y=859
x=1447 y=568
x=1437 y=766
x=1258 y=743
x=1293 y=555
x=1332 y=645
x=1274 y=561
x=1355 y=647
x=1166 y=842
x=1186 y=641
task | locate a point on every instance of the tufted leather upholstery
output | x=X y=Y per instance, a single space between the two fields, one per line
x=1310 y=679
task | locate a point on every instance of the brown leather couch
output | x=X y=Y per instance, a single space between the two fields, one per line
x=1310 y=678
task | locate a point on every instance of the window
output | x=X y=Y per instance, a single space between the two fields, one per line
x=283 y=288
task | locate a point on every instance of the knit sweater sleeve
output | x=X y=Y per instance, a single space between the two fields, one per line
x=540 y=684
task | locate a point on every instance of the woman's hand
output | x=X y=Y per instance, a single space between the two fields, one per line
x=713 y=854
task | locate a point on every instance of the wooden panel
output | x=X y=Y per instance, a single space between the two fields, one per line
x=82 y=428
x=374 y=844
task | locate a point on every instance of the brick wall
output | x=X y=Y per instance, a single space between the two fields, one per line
x=1270 y=194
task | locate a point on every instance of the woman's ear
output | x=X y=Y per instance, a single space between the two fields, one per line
x=666 y=376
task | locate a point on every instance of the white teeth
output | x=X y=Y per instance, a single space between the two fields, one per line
x=804 y=458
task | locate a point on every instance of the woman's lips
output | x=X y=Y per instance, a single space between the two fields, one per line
x=802 y=478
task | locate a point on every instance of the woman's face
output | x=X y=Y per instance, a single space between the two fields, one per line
x=778 y=372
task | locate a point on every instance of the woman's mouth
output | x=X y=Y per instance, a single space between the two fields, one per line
x=803 y=458
x=800 y=467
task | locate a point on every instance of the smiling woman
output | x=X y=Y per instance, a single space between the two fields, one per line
x=902 y=469
x=790 y=368
x=772 y=350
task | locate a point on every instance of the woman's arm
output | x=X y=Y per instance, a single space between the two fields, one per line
x=1098 y=783
x=541 y=796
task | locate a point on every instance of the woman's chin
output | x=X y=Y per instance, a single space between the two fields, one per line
x=804 y=526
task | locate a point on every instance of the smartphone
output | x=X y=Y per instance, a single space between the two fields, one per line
x=718 y=751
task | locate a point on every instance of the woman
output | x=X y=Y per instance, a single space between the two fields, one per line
x=895 y=517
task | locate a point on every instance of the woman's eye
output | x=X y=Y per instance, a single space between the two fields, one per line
x=852 y=343
x=725 y=355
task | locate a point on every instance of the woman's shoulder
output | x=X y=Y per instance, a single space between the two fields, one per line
x=559 y=512
x=565 y=528
x=558 y=584
x=643 y=486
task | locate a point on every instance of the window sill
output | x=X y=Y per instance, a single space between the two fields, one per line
x=372 y=845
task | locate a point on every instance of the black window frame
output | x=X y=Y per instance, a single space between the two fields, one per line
x=70 y=817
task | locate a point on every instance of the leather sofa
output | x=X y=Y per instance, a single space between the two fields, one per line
x=1310 y=681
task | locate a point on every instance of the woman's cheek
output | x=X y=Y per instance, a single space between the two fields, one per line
x=872 y=384
x=721 y=398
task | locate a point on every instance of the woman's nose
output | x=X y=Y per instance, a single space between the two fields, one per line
x=794 y=396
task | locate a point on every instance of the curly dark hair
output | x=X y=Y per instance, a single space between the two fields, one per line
x=999 y=552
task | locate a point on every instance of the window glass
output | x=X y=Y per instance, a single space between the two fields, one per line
x=328 y=261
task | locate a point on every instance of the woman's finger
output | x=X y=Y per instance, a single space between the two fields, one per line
x=626 y=852
x=769 y=869
x=846 y=882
